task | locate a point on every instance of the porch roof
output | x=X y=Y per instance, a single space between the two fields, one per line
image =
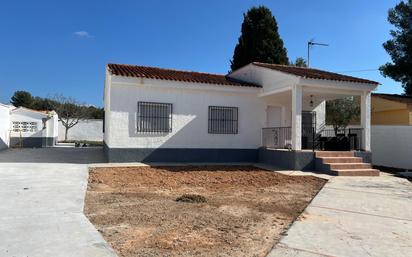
x=311 y=73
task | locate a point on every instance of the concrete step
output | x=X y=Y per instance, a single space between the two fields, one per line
x=327 y=160
x=355 y=172
x=349 y=166
x=334 y=154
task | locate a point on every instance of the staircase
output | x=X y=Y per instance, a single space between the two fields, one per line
x=343 y=163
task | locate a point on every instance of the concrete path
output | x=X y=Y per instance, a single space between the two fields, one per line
x=41 y=210
x=354 y=216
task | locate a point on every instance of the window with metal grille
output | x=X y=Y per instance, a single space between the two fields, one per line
x=223 y=120
x=154 y=117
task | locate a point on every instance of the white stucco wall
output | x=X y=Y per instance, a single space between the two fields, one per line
x=392 y=146
x=91 y=130
x=22 y=115
x=4 y=126
x=25 y=115
x=190 y=114
x=268 y=78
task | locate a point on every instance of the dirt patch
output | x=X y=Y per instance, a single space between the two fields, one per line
x=191 y=198
x=247 y=209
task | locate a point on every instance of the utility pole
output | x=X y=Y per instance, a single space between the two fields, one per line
x=310 y=45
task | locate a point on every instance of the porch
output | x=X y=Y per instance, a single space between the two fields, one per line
x=325 y=139
x=296 y=119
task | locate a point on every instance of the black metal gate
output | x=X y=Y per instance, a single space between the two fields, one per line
x=308 y=129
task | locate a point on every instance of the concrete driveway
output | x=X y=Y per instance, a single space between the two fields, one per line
x=41 y=210
x=354 y=216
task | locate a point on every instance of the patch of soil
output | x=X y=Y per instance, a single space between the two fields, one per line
x=191 y=198
x=246 y=211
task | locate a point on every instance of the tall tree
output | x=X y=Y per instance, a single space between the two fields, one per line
x=259 y=40
x=22 y=98
x=400 y=46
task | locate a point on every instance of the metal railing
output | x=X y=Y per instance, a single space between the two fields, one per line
x=325 y=139
x=277 y=137
x=339 y=140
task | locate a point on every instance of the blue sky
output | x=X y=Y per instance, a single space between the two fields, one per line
x=42 y=53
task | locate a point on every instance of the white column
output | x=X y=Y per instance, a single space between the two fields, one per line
x=297 y=117
x=366 y=120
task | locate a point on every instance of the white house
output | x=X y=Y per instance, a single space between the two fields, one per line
x=31 y=128
x=164 y=115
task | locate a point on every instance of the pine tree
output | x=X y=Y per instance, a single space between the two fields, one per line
x=22 y=98
x=400 y=46
x=259 y=40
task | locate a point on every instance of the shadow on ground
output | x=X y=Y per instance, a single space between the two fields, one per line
x=53 y=155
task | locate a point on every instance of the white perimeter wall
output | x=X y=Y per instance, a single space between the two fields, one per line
x=190 y=116
x=392 y=146
x=91 y=130
x=4 y=126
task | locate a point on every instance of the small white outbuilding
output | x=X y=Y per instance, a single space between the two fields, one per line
x=32 y=128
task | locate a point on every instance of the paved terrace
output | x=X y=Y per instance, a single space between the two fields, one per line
x=353 y=216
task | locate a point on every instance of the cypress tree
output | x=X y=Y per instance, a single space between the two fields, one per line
x=259 y=40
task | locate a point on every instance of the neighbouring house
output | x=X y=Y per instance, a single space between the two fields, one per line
x=391 y=109
x=86 y=129
x=4 y=125
x=391 y=133
x=260 y=112
x=31 y=128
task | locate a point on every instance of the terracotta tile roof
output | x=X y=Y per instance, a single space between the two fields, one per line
x=394 y=97
x=313 y=73
x=175 y=75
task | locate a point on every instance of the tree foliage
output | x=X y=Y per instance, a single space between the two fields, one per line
x=22 y=99
x=25 y=99
x=399 y=46
x=259 y=40
x=340 y=112
x=299 y=62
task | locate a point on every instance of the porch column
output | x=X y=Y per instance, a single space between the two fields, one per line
x=297 y=117
x=366 y=120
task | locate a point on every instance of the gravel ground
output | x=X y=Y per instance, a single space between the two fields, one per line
x=245 y=212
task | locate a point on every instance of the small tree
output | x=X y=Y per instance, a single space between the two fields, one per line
x=300 y=62
x=69 y=111
x=400 y=46
x=22 y=98
x=340 y=112
x=259 y=40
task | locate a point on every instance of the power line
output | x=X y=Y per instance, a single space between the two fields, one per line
x=358 y=70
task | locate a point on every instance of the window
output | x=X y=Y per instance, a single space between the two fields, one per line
x=154 y=117
x=223 y=120
x=24 y=126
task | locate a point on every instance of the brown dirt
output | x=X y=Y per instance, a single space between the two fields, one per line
x=247 y=209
